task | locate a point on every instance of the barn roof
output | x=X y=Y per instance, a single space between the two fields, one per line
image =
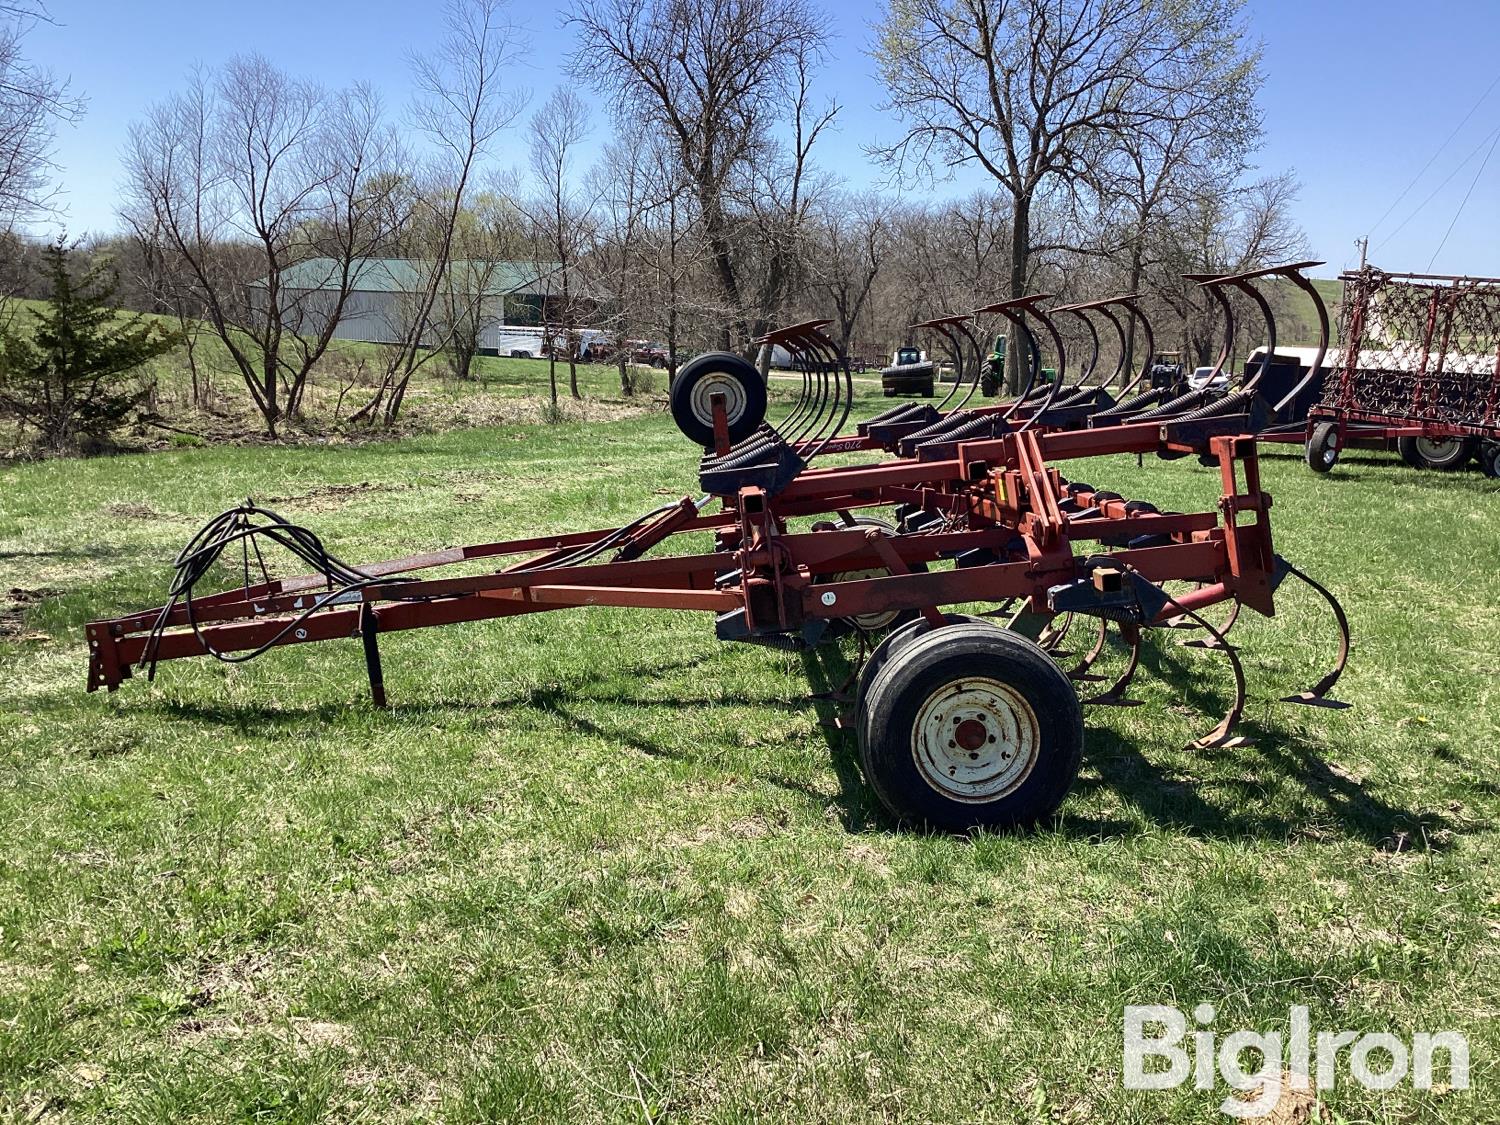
x=409 y=275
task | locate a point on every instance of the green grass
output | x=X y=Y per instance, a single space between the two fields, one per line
x=498 y=390
x=595 y=865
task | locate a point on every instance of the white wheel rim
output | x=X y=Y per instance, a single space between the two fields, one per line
x=975 y=740
x=875 y=620
x=718 y=382
x=1437 y=449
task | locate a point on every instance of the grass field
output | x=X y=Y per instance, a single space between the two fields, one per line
x=597 y=866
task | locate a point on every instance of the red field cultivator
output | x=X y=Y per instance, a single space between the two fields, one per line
x=960 y=722
x=1421 y=368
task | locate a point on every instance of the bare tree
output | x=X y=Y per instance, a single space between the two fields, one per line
x=1039 y=93
x=245 y=178
x=850 y=241
x=780 y=190
x=489 y=234
x=622 y=184
x=560 y=214
x=713 y=78
x=462 y=106
x=1223 y=231
x=32 y=105
x=672 y=245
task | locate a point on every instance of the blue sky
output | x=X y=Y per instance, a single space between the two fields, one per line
x=1358 y=97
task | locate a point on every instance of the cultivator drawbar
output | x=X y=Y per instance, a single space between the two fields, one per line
x=961 y=721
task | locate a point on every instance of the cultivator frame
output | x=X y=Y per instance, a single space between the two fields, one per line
x=984 y=493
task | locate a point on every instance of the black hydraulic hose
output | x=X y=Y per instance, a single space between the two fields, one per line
x=234 y=525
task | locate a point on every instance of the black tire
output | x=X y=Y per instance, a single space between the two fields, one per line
x=743 y=388
x=872 y=625
x=1321 y=451
x=896 y=640
x=1443 y=455
x=1489 y=459
x=1001 y=691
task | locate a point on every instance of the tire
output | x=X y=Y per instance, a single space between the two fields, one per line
x=1488 y=457
x=871 y=624
x=1016 y=720
x=897 y=640
x=1443 y=454
x=743 y=388
x=1321 y=452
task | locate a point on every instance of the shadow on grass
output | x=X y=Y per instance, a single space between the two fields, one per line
x=1278 y=786
x=1167 y=796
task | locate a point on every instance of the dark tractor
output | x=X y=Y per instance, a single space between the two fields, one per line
x=910 y=373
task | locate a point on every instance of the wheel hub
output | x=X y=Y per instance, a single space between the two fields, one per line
x=875 y=620
x=716 y=382
x=975 y=740
x=1437 y=449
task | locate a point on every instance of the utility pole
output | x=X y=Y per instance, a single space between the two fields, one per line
x=1364 y=250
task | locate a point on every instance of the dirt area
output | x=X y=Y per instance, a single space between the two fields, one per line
x=13 y=611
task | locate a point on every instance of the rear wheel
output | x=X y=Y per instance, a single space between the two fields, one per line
x=1443 y=454
x=1489 y=459
x=970 y=726
x=1322 y=449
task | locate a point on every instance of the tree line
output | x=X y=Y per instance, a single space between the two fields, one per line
x=1113 y=142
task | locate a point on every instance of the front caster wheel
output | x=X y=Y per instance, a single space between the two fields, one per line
x=970 y=726
x=1322 y=449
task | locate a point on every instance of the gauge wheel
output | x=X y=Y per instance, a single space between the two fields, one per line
x=724 y=373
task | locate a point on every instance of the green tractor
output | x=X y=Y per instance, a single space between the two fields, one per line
x=992 y=380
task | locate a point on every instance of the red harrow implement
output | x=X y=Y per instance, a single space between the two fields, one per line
x=960 y=722
x=1421 y=367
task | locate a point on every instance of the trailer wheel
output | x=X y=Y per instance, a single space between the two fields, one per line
x=1489 y=459
x=970 y=726
x=1322 y=449
x=724 y=373
x=1443 y=454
